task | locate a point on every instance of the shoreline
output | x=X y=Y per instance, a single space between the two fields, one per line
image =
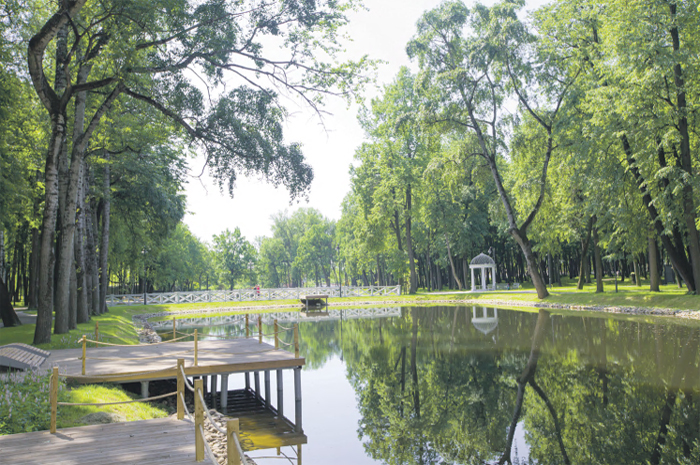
x=619 y=310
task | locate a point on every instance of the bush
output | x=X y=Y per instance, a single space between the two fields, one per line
x=25 y=404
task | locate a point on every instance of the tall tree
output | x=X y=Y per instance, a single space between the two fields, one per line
x=475 y=60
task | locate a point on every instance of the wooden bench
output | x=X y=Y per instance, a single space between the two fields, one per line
x=316 y=300
x=22 y=356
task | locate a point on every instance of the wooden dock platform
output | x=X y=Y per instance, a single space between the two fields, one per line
x=147 y=362
x=163 y=441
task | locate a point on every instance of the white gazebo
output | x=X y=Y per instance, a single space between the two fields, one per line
x=483 y=262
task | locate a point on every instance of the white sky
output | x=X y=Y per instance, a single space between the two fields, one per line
x=382 y=32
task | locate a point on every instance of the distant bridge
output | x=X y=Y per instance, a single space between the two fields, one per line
x=281 y=317
x=239 y=295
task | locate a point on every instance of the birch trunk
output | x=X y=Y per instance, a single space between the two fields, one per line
x=598 y=263
x=79 y=241
x=104 y=244
x=413 y=285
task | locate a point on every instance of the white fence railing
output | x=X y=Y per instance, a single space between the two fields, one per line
x=249 y=294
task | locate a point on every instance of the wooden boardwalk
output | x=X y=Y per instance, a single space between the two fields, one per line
x=148 y=362
x=164 y=441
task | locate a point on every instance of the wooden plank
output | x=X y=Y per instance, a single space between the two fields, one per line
x=146 y=442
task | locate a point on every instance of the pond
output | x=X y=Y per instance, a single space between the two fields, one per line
x=469 y=385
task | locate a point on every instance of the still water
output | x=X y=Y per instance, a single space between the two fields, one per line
x=468 y=385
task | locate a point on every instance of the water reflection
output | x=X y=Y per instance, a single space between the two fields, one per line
x=467 y=385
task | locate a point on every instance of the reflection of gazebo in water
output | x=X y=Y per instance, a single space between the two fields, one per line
x=485 y=323
x=483 y=262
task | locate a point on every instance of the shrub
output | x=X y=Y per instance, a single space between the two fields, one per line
x=25 y=404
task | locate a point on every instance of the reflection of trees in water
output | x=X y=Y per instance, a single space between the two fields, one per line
x=432 y=389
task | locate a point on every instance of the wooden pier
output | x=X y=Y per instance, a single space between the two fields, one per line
x=164 y=441
x=147 y=362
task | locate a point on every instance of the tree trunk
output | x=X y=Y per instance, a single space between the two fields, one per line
x=653 y=263
x=104 y=245
x=685 y=156
x=452 y=263
x=91 y=262
x=2 y=255
x=82 y=308
x=531 y=261
x=7 y=312
x=598 y=263
x=674 y=249
x=637 y=273
x=413 y=284
x=42 y=332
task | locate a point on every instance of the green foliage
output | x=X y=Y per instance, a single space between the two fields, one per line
x=235 y=255
x=24 y=401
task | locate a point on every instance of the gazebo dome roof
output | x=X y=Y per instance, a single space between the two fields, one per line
x=482 y=259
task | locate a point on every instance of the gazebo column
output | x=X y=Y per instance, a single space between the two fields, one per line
x=493 y=277
x=473 y=282
x=483 y=278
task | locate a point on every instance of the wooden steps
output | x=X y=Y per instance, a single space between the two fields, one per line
x=22 y=356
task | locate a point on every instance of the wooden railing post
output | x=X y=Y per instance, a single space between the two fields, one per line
x=54 y=399
x=232 y=455
x=174 y=327
x=247 y=327
x=198 y=421
x=84 y=341
x=296 y=340
x=195 y=347
x=277 y=336
x=259 y=329
x=97 y=332
x=180 y=389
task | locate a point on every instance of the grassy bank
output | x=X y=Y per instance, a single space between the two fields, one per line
x=116 y=327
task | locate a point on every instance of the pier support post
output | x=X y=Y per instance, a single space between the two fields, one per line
x=247 y=380
x=297 y=399
x=268 y=403
x=224 y=391
x=144 y=389
x=256 y=376
x=280 y=393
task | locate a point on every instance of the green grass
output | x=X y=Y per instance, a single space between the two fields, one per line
x=69 y=416
x=116 y=327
